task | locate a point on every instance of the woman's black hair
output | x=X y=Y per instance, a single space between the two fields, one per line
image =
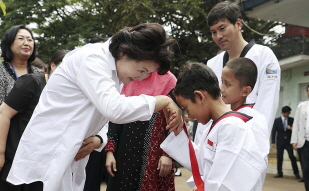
x=56 y=58
x=8 y=40
x=146 y=41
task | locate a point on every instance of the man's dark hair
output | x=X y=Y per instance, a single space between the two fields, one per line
x=196 y=76
x=146 y=41
x=286 y=109
x=224 y=10
x=9 y=38
x=245 y=71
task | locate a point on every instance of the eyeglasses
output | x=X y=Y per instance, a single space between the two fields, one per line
x=21 y=39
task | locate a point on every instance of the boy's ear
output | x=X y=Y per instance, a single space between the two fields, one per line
x=199 y=96
x=246 y=90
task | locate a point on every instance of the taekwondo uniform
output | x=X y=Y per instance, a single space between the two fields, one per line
x=228 y=155
x=78 y=100
x=260 y=130
x=265 y=94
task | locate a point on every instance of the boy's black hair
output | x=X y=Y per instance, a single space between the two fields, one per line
x=224 y=10
x=245 y=71
x=196 y=76
x=286 y=109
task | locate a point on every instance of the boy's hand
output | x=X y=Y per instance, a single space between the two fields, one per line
x=110 y=163
x=165 y=165
x=88 y=146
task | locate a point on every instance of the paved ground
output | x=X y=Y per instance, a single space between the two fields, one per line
x=287 y=183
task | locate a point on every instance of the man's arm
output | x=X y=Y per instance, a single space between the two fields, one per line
x=269 y=87
x=294 y=137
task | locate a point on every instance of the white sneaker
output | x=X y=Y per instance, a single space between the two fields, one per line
x=178 y=172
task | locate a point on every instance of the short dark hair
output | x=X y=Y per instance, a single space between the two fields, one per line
x=96 y=39
x=39 y=63
x=224 y=10
x=8 y=40
x=245 y=71
x=56 y=58
x=146 y=41
x=196 y=76
x=286 y=109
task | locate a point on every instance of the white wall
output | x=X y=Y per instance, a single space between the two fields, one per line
x=292 y=80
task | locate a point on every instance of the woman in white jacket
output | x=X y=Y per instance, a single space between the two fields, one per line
x=82 y=95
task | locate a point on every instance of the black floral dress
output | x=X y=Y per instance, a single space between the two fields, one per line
x=8 y=78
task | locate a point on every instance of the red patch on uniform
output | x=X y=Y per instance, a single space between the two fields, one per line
x=210 y=142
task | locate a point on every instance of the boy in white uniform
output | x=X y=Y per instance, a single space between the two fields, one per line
x=238 y=80
x=228 y=156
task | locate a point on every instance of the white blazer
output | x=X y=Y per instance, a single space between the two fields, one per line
x=299 y=125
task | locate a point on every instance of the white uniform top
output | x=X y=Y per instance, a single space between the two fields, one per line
x=80 y=97
x=301 y=124
x=228 y=157
x=259 y=128
x=265 y=94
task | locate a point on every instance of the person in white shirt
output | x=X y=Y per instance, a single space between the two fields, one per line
x=82 y=95
x=227 y=155
x=300 y=136
x=225 y=24
x=238 y=80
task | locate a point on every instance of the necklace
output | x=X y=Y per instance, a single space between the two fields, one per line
x=14 y=71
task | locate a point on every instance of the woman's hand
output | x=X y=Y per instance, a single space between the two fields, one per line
x=110 y=163
x=165 y=165
x=88 y=146
x=2 y=160
x=175 y=120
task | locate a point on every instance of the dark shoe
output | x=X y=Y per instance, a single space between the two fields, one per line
x=297 y=176
x=278 y=176
x=301 y=180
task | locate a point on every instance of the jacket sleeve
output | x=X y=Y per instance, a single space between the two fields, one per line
x=273 y=133
x=103 y=133
x=114 y=132
x=269 y=87
x=94 y=78
x=294 y=138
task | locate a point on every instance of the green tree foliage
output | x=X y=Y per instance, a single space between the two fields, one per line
x=68 y=24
